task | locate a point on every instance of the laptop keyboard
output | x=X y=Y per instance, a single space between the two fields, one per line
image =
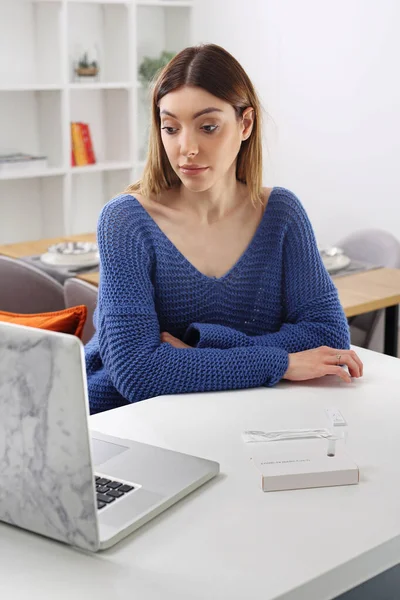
x=108 y=490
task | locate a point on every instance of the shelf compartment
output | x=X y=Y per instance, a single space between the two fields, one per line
x=38 y=115
x=107 y=113
x=93 y=27
x=38 y=25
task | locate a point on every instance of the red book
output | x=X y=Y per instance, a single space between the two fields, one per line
x=87 y=140
x=73 y=161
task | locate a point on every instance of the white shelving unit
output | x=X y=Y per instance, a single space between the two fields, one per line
x=40 y=96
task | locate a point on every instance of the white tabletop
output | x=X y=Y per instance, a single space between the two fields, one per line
x=228 y=539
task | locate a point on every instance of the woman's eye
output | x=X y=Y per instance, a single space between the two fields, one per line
x=169 y=130
x=210 y=128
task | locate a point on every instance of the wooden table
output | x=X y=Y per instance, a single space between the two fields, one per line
x=359 y=293
x=373 y=290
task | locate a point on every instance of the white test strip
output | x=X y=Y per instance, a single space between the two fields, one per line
x=335 y=417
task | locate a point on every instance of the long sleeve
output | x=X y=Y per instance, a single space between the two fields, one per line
x=313 y=315
x=128 y=331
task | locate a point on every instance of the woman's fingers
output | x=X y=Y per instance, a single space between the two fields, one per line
x=321 y=361
x=348 y=358
x=354 y=367
x=170 y=339
x=359 y=361
x=334 y=370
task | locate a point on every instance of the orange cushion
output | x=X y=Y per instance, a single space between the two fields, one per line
x=70 y=320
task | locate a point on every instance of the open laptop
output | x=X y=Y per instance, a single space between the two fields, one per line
x=48 y=483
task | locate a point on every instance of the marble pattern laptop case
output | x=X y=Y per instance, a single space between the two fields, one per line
x=45 y=462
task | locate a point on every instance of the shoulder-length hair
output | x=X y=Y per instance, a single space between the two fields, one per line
x=213 y=69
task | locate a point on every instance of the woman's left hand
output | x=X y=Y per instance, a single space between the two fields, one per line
x=170 y=339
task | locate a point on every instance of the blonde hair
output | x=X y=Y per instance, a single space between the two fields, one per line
x=215 y=70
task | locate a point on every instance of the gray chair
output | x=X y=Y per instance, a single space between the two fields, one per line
x=78 y=292
x=26 y=289
x=375 y=247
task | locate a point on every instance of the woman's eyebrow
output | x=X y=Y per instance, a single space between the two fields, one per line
x=205 y=111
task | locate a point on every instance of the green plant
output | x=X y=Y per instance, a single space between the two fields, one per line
x=149 y=67
x=84 y=63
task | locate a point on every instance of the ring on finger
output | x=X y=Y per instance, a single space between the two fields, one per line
x=338 y=357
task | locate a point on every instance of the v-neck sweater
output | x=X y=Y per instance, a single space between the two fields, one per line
x=276 y=299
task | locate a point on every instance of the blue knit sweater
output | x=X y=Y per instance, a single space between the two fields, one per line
x=278 y=298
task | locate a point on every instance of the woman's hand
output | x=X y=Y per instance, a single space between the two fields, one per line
x=170 y=339
x=318 y=362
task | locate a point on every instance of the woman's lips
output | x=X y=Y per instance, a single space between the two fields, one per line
x=193 y=170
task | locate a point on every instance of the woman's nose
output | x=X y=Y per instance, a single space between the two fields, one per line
x=189 y=146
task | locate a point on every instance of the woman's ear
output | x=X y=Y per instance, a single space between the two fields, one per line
x=247 y=122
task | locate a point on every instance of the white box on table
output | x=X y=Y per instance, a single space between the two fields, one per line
x=302 y=464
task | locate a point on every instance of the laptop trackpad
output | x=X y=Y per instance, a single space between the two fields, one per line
x=103 y=451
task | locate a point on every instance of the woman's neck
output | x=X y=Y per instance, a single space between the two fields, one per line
x=215 y=203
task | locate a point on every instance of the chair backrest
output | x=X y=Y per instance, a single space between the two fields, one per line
x=78 y=292
x=373 y=246
x=26 y=289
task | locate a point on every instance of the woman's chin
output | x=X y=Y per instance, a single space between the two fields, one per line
x=196 y=186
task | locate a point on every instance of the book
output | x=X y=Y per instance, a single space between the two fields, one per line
x=87 y=140
x=82 y=146
x=19 y=161
x=78 y=145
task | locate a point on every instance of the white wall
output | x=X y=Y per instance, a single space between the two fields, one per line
x=328 y=76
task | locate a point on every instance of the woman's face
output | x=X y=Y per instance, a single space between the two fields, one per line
x=202 y=136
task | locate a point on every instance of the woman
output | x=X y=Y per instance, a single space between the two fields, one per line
x=209 y=281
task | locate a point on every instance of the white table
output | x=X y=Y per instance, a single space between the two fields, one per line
x=229 y=540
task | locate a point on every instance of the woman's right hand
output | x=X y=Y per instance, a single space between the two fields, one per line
x=318 y=362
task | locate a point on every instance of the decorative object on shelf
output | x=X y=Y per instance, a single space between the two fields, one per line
x=21 y=162
x=149 y=67
x=82 y=152
x=85 y=68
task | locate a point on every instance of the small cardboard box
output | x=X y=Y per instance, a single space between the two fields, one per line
x=304 y=464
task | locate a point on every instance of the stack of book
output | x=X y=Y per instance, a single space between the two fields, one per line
x=18 y=161
x=82 y=148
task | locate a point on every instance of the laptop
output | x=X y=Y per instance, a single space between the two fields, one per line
x=58 y=479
